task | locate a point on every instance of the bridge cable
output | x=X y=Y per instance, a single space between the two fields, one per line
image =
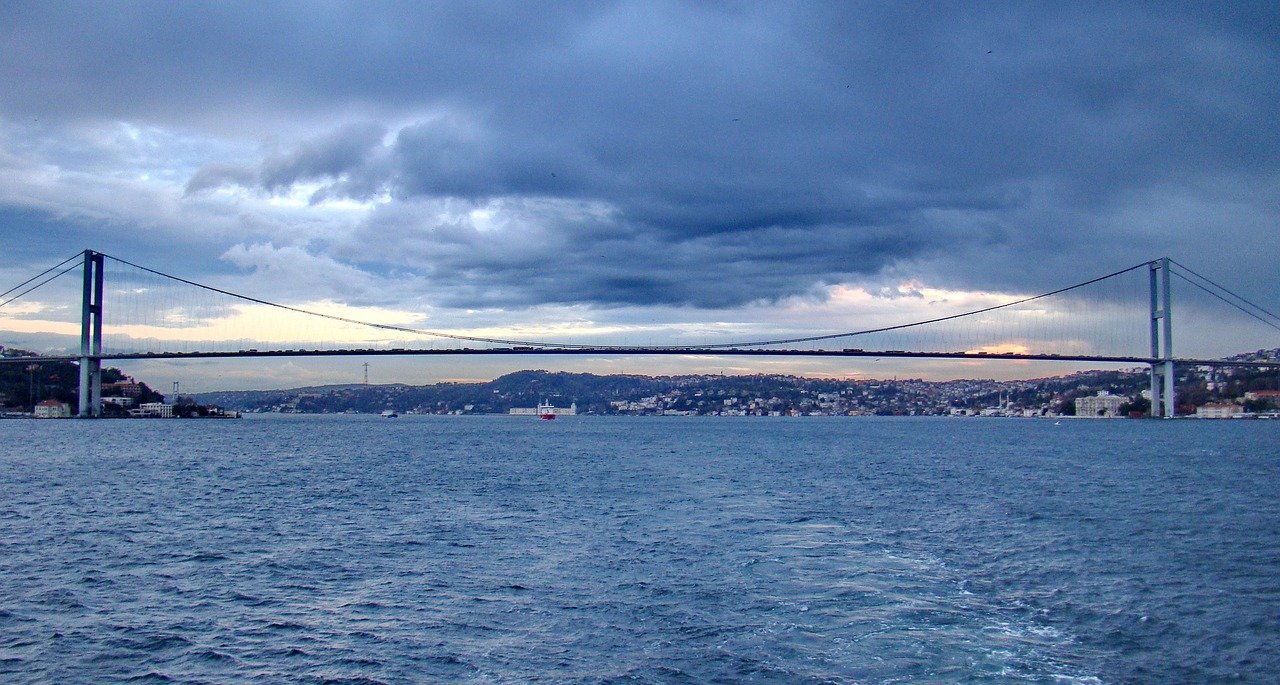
x=55 y=266
x=713 y=346
x=831 y=336
x=1224 y=289
x=343 y=319
x=41 y=283
x=1233 y=304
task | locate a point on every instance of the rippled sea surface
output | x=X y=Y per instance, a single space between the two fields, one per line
x=356 y=549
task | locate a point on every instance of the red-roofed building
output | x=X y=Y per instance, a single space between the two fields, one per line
x=53 y=409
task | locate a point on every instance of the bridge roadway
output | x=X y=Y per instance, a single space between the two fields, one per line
x=648 y=351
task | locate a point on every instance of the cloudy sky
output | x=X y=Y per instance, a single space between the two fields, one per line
x=668 y=171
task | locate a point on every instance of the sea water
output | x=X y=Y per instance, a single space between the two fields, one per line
x=357 y=549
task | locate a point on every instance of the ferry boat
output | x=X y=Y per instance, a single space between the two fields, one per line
x=545 y=411
x=389 y=414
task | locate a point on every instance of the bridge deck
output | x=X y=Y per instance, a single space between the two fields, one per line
x=647 y=351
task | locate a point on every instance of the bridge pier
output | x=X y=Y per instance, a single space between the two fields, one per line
x=1163 y=399
x=90 y=399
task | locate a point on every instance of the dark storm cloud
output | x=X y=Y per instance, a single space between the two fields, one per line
x=335 y=154
x=737 y=151
x=553 y=251
x=217 y=175
x=234 y=63
x=328 y=157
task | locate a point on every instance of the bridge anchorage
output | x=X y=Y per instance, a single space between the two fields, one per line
x=154 y=315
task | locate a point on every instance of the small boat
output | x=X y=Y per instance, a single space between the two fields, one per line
x=389 y=414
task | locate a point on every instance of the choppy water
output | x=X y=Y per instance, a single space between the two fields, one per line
x=499 y=549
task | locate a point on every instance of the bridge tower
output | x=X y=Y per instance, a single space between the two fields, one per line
x=90 y=404
x=1162 y=376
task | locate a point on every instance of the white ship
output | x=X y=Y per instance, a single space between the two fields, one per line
x=545 y=411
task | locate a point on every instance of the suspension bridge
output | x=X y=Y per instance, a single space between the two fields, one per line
x=125 y=311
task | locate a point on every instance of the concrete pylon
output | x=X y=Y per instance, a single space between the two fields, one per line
x=1163 y=395
x=90 y=401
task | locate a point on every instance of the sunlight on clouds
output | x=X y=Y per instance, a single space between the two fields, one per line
x=266 y=324
x=21 y=309
x=310 y=195
x=351 y=205
x=481 y=218
x=847 y=308
x=378 y=315
x=851 y=295
x=39 y=326
x=297 y=196
x=1002 y=348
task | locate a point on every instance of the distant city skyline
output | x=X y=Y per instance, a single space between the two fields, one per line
x=657 y=172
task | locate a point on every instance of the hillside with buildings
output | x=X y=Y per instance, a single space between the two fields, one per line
x=1092 y=393
x=50 y=389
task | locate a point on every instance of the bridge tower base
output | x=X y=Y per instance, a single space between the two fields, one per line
x=90 y=400
x=1163 y=394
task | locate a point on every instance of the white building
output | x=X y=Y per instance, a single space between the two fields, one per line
x=153 y=409
x=53 y=409
x=1102 y=405
x=1216 y=411
x=125 y=402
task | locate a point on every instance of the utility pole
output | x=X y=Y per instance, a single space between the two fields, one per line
x=366 y=373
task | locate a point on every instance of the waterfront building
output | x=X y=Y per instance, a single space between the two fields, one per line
x=1272 y=396
x=153 y=409
x=1217 y=411
x=1102 y=405
x=53 y=409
